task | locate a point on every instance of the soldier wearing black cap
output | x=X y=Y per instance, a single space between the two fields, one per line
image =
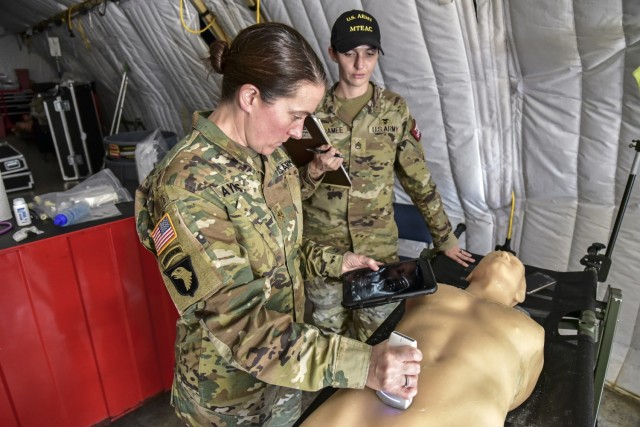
x=375 y=131
x=353 y=29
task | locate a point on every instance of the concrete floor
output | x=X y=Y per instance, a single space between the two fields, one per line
x=157 y=412
x=616 y=410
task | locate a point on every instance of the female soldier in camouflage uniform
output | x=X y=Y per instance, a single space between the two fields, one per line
x=222 y=213
x=374 y=130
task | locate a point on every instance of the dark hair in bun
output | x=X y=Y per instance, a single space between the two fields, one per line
x=271 y=56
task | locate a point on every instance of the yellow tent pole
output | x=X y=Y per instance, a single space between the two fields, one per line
x=211 y=20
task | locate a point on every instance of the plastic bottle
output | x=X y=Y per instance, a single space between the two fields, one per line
x=21 y=211
x=72 y=215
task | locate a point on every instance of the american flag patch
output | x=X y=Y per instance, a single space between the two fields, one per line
x=163 y=234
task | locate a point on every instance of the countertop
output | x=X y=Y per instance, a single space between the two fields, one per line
x=50 y=230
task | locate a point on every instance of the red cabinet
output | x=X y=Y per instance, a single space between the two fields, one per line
x=86 y=328
x=14 y=103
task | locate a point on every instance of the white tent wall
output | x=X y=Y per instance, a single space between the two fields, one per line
x=168 y=74
x=531 y=96
x=18 y=14
x=579 y=108
x=14 y=55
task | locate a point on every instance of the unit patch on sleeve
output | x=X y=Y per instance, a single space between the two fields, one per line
x=183 y=277
x=163 y=234
x=415 y=131
x=173 y=255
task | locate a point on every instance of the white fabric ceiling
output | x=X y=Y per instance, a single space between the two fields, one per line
x=531 y=96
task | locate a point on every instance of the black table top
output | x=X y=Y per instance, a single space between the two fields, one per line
x=50 y=230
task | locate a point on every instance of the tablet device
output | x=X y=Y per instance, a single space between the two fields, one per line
x=392 y=282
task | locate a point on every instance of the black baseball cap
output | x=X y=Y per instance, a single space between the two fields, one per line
x=355 y=28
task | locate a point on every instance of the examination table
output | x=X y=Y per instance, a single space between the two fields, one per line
x=578 y=337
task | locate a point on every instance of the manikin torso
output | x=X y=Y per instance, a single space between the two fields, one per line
x=481 y=358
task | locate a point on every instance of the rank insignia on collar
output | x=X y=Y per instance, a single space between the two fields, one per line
x=183 y=277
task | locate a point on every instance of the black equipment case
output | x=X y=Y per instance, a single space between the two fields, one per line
x=75 y=129
x=14 y=170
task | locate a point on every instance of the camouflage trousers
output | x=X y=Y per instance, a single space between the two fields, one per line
x=285 y=412
x=330 y=316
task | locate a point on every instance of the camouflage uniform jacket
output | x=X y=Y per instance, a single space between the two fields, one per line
x=382 y=140
x=228 y=239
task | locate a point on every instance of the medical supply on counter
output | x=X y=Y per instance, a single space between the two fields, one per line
x=72 y=215
x=21 y=212
x=5 y=227
x=100 y=190
x=21 y=234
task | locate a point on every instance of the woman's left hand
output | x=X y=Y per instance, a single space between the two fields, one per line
x=353 y=261
x=460 y=256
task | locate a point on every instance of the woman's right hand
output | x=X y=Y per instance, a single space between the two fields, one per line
x=323 y=162
x=394 y=369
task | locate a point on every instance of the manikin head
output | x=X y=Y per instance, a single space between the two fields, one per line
x=499 y=277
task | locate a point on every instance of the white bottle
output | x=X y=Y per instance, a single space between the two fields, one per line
x=21 y=212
